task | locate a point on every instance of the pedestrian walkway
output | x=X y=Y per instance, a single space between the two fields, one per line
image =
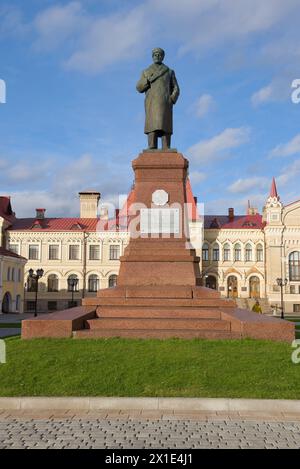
x=147 y=429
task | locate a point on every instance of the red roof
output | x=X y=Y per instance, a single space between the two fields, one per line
x=122 y=218
x=273 y=190
x=246 y=222
x=5 y=252
x=5 y=209
x=55 y=224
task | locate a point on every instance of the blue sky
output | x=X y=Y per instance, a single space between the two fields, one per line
x=73 y=119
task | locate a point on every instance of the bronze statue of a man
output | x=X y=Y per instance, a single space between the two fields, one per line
x=160 y=85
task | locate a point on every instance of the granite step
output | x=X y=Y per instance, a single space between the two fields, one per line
x=158 y=323
x=172 y=302
x=155 y=334
x=156 y=312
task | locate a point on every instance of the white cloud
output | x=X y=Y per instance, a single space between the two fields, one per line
x=203 y=105
x=220 y=206
x=278 y=90
x=245 y=185
x=207 y=151
x=55 y=24
x=289 y=173
x=97 y=41
x=63 y=183
x=287 y=149
x=196 y=177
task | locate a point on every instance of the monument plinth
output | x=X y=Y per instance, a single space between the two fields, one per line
x=157 y=253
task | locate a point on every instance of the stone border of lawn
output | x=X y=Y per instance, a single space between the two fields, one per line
x=151 y=403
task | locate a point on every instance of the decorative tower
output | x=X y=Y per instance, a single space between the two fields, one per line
x=273 y=209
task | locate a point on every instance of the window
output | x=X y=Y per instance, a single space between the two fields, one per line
x=52 y=283
x=205 y=252
x=14 y=248
x=114 y=252
x=259 y=253
x=216 y=253
x=248 y=253
x=112 y=281
x=18 y=303
x=8 y=274
x=30 y=305
x=19 y=275
x=226 y=252
x=52 y=305
x=94 y=252
x=296 y=308
x=294 y=266
x=237 y=252
x=33 y=252
x=93 y=283
x=74 y=252
x=76 y=288
x=13 y=274
x=292 y=289
x=54 y=252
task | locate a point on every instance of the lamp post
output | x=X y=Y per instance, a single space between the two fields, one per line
x=36 y=276
x=72 y=283
x=282 y=283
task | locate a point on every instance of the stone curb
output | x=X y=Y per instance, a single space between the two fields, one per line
x=149 y=403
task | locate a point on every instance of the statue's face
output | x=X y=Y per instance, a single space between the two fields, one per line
x=157 y=57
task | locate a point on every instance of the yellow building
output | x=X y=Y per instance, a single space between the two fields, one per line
x=242 y=256
x=11 y=282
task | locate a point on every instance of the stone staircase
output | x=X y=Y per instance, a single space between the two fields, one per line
x=248 y=303
x=183 y=312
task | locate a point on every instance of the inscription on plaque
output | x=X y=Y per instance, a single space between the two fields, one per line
x=160 y=221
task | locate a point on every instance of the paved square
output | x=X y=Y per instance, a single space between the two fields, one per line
x=121 y=430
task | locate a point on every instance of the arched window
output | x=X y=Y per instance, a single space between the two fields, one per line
x=248 y=252
x=226 y=252
x=259 y=253
x=93 y=283
x=52 y=283
x=294 y=266
x=70 y=287
x=205 y=252
x=216 y=252
x=19 y=275
x=13 y=274
x=8 y=274
x=112 y=281
x=237 y=252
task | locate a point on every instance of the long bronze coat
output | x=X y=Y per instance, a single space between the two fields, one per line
x=162 y=91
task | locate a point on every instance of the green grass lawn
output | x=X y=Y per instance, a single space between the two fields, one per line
x=127 y=367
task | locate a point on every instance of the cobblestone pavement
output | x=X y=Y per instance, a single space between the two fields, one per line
x=118 y=430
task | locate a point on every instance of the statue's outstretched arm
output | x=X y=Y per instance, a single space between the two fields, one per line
x=143 y=84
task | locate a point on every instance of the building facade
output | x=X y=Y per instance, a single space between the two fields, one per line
x=11 y=266
x=242 y=256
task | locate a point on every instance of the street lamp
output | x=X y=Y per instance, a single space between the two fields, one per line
x=36 y=276
x=72 y=284
x=282 y=283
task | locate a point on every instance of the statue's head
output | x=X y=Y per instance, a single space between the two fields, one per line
x=158 y=55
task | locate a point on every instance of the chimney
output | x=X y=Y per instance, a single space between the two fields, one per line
x=40 y=213
x=89 y=201
x=196 y=200
x=231 y=214
x=104 y=213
